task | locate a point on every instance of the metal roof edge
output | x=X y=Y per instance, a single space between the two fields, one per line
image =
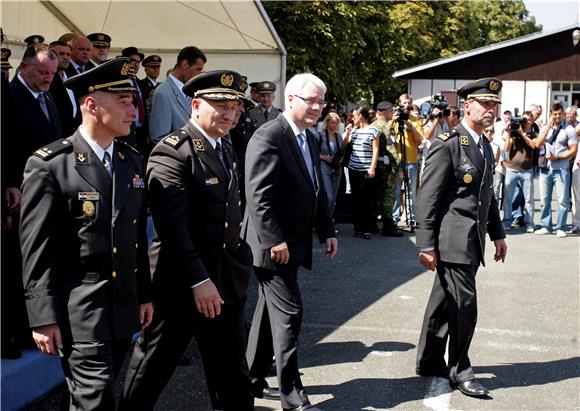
x=481 y=50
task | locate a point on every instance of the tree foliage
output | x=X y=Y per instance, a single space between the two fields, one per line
x=356 y=46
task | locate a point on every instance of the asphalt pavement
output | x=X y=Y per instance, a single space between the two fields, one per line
x=362 y=316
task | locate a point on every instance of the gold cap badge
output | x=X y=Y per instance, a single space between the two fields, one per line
x=227 y=79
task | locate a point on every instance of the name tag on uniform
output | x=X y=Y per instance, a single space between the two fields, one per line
x=211 y=181
x=89 y=196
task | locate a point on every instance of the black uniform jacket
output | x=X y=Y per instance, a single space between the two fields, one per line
x=197 y=218
x=257 y=115
x=282 y=203
x=84 y=240
x=455 y=205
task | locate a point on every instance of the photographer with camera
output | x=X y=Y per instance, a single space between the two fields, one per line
x=437 y=114
x=558 y=143
x=409 y=136
x=519 y=148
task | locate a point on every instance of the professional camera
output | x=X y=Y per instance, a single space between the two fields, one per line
x=516 y=122
x=401 y=111
x=437 y=101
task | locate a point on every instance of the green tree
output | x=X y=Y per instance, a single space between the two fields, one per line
x=355 y=46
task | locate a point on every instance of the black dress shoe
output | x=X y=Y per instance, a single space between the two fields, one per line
x=473 y=388
x=267 y=393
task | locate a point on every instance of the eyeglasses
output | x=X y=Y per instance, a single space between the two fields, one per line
x=310 y=102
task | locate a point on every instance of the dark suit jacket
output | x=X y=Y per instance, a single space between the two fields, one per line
x=196 y=212
x=455 y=205
x=282 y=203
x=65 y=107
x=34 y=130
x=257 y=115
x=85 y=265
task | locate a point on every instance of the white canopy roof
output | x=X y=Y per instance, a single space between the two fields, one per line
x=234 y=34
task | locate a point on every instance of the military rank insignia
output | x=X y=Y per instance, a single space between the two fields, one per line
x=138 y=181
x=464 y=140
x=89 y=196
x=444 y=136
x=198 y=145
x=81 y=158
x=211 y=181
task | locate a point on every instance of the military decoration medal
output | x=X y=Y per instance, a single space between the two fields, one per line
x=467 y=178
x=138 y=181
x=88 y=208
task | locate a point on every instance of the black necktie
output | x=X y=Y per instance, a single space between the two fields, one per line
x=107 y=163
x=266 y=115
x=223 y=159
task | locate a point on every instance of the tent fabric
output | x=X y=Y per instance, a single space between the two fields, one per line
x=235 y=34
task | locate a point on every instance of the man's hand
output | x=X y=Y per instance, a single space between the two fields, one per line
x=331 y=247
x=280 y=254
x=371 y=173
x=207 y=299
x=47 y=338
x=145 y=314
x=12 y=197
x=500 y=250
x=326 y=158
x=428 y=259
x=7 y=223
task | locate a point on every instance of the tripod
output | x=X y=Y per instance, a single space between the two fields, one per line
x=401 y=138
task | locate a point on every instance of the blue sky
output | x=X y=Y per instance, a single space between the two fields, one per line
x=554 y=14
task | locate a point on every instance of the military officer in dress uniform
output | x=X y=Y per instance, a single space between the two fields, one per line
x=84 y=241
x=201 y=267
x=100 y=51
x=456 y=208
x=152 y=66
x=265 y=111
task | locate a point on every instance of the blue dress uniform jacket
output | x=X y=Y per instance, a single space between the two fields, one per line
x=456 y=206
x=84 y=240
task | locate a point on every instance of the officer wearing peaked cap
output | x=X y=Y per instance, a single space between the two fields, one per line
x=84 y=241
x=101 y=43
x=456 y=209
x=200 y=266
x=152 y=66
x=33 y=39
x=265 y=111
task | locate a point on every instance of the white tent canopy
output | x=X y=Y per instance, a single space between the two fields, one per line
x=234 y=35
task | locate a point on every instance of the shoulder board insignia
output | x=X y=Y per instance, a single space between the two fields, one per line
x=444 y=136
x=53 y=149
x=125 y=146
x=175 y=140
x=464 y=141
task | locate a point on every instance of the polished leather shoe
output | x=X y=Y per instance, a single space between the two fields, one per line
x=267 y=393
x=473 y=388
x=303 y=407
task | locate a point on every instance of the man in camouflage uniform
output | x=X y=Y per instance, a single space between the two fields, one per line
x=388 y=169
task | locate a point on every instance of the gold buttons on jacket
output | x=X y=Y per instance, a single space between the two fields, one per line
x=113 y=225
x=114 y=250
x=135 y=221
x=224 y=245
x=136 y=245
x=226 y=224
x=114 y=274
x=227 y=204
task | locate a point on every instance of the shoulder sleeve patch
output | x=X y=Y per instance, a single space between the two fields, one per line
x=51 y=150
x=176 y=139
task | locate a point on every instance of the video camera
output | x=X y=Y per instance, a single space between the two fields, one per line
x=517 y=121
x=401 y=111
x=437 y=101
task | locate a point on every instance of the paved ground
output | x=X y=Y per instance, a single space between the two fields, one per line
x=363 y=312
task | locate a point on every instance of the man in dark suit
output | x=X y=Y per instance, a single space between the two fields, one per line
x=200 y=265
x=34 y=108
x=265 y=111
x=152 y=66
x=285 y=201
x=70 y=115
x=80 y=48
x=456 y=208
x=84 y=240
